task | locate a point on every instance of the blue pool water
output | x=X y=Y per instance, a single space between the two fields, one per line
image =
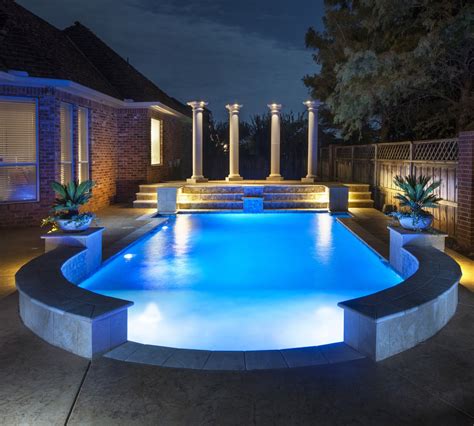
x=242 y=281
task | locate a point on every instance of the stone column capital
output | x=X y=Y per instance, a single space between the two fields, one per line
x=233 y=108
x=274 y=108
x=197 y=105
x=312 y=105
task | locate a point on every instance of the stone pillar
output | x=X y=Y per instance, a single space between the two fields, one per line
x=233 y=142
x=275 y=143
x=198 y=109
x=313 y=146
x=465 y=176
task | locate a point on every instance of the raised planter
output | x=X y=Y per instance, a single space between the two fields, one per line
x=61 y=313
x=398 y=318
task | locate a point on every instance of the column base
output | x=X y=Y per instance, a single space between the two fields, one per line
x=196 y=179
x=275 y=177
x=309 y=179
x=233 y=178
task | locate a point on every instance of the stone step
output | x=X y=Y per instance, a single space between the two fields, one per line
x=145 y=204
x=361 y=203
x=146 y=196
x=360 y=195
x=222 y=189
x=211 y=205
x=283 y=205
x=293 y=196
x=148 y=189
x=293 y=189
x=227 y=196
x=358 y=187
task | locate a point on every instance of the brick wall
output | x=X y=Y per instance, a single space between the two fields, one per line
x=134 y=162
x=30 y=214
x=119 y=152
x=465 y=173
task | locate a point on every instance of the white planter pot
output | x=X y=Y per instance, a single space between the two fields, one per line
x=68 y=225
x=420 y=224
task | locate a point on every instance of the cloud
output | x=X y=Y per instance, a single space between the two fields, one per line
x=189 y=55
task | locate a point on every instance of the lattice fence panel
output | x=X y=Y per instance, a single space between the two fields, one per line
x=344 y=152
x=394 y=151
x=440 y=150
x=364 y=152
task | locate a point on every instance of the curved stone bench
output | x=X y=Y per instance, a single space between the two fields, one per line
x=398 y=318
x=63 y=314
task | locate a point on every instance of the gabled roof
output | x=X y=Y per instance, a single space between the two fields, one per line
x=28 y=43
x=124 y=77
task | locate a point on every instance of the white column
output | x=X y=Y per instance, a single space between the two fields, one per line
x=312 y=141
x=198 y=109
x=233 y=142
x=275 y=143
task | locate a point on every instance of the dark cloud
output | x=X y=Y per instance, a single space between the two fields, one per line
x=216 y=50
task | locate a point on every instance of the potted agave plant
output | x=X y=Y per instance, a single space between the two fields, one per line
x=417 y=194
x=65 y=212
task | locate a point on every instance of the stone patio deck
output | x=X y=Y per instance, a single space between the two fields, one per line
x=40 y=384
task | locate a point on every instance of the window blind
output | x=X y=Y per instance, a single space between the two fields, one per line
x=18 y=152
x=83 y=151
x=66 y=172
x=156 y=139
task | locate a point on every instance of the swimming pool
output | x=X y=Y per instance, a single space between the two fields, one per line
x=242 y=281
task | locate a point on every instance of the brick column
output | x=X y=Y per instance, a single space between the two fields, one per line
x=465 y=177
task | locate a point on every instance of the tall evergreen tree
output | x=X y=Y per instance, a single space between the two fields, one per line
x=395 y=69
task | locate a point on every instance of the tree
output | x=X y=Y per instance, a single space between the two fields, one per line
x=394 y=69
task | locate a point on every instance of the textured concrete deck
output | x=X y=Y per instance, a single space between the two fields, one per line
x=430 y=384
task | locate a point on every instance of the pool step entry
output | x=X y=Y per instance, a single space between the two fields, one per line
x=208 y=197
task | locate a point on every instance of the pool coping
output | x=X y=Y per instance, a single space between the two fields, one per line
x=49 y=322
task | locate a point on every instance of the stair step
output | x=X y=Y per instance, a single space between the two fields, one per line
x=148 y=189
x=211 y=205
x=269 y=205
x=293 y=189
x=230 y=196
x=361 y=203
x=360 y=195
x=293 y=196
x=197 y=189
x=358 y=187
x=145 y=204
x=146 y=196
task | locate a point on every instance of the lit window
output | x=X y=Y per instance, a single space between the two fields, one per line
x=156 y=137
x=66 y=143
x=18 y=153
x=83 y=149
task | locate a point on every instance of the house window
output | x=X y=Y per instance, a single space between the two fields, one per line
x=156 y=140
x=18 y=150
x=66 y=170
x=83 y=149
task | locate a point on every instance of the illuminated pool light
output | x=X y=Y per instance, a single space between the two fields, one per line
x=128 y=256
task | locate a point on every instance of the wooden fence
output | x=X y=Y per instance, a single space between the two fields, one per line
x=378 y=164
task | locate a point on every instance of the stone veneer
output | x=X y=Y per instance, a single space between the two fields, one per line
x=67 y=316
x=465 y=176
x=398 y=318
x=119 y=149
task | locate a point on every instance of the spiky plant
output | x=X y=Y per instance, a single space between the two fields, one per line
x=417 y=194
x=70 y=197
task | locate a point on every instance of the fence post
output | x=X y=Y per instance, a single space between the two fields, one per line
x=374 y=177
x=331 y=160
x=411 y=158
x=465 y=173
x=352 y=163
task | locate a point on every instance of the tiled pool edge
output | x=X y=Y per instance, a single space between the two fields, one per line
x=50 y=268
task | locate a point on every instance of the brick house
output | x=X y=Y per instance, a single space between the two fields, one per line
x=72 y=108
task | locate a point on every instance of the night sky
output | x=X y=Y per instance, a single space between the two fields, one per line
x=246 y=51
